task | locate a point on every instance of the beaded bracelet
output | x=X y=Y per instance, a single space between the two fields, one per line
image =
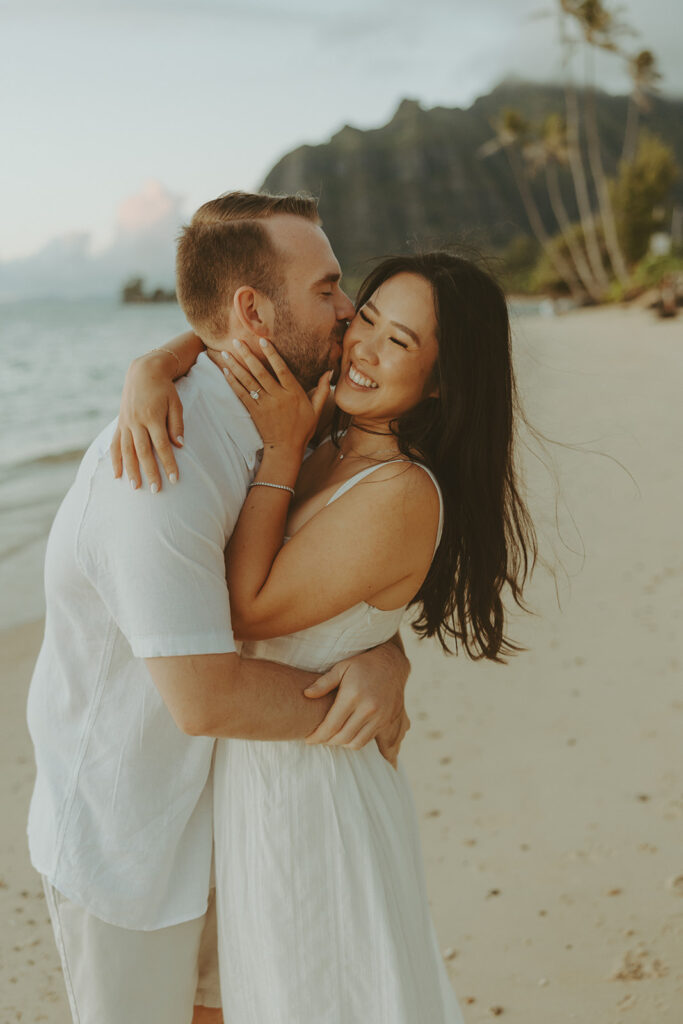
x=280 y=487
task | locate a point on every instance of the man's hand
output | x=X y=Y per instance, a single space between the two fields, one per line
x=369 y=704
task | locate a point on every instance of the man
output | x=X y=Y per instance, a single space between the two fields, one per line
x=139 y=670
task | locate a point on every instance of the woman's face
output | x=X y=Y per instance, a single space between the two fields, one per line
x=390 y=350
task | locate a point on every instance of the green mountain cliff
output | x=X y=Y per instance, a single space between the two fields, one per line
x=419 y=177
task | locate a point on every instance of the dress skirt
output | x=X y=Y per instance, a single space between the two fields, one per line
x=323 y=915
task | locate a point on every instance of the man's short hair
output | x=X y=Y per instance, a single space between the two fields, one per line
x=224 y=247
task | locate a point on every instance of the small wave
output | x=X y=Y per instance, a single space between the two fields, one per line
x=73 y=455
x=20 y=466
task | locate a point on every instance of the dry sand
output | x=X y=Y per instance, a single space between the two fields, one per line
x=550 y=790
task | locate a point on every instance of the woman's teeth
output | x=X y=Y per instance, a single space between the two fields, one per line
x=360 y=380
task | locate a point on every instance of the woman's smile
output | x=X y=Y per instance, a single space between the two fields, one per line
x=360 y=380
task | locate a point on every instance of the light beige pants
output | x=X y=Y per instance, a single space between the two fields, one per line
x=121 y=976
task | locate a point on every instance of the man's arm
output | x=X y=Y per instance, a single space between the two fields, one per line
x=228 y=696
x=224 y=695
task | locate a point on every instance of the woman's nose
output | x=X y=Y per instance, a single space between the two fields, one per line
x=365 y=351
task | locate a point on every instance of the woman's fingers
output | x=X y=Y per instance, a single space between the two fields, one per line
x=282 y=371
x=115 y=454
x=176 y=422
x=164 y=451
x=363 y=736
x=319 y=395
x=145 y=454
x=332 y=723
x=241 y=373
x=354 y=728
x=243 y=356
x=257 y=369
x=130 y=459
x=237 y=388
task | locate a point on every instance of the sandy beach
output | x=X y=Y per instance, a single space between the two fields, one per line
x=550 y=789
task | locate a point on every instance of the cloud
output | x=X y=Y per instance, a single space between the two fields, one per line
x=143 y=244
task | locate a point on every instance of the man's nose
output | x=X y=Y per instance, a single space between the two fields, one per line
x=345 y=308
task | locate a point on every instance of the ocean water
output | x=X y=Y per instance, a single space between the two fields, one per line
x=63 y=365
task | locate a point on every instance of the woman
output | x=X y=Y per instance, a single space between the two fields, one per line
x=410 y=502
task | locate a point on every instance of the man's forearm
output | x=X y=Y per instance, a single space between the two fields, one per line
x=225 y=695
x=264 y=700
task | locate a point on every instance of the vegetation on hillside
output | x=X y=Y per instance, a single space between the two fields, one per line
x=597 y=256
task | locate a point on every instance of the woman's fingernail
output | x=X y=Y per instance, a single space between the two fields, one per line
x=262 y=342
x=134 y=484
x=226 y=373
x=226 y=355
x=180 y=439
x=154 y=488
x=173 y=478
x=237 y=344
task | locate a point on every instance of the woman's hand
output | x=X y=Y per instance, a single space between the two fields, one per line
x=150 y=420
x=369 y=703
x=284 y=415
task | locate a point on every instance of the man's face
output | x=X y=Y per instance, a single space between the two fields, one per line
x=312 y=312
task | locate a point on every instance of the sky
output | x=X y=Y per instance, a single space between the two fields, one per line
x=120 y=118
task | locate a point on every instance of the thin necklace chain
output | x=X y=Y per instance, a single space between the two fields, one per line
x=361 y=455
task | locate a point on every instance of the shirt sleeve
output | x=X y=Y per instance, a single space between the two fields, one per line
x=157 y=560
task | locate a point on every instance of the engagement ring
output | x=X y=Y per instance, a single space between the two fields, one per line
x=254 y=395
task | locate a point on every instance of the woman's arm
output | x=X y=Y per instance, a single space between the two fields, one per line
x=374 y=537
x=151 y=413
x=379 y=535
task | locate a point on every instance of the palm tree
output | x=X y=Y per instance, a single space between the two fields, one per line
x=512 y=132
x=642 y=69
x=575 y=158
x=549 y=151
x=600 y=28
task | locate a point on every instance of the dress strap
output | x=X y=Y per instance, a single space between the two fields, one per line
x=357 y=477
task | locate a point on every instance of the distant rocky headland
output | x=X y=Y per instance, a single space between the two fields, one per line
x=133 y=291
x=420 y=178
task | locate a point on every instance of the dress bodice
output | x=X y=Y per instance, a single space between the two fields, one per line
x=317 y=648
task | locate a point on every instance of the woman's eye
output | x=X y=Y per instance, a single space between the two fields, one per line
x=326 y=293
x=365 y=318
x=397 y=342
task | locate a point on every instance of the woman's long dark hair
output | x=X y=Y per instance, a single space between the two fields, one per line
x=466 y=436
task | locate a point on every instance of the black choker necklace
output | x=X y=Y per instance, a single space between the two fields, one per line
x=379 y=433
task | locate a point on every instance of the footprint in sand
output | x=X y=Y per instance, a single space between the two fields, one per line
x=638 y=964
x=676 y=884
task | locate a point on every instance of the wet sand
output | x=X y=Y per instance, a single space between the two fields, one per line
x=550 y=789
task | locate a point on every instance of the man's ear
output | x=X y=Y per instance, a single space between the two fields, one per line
x=254 y=311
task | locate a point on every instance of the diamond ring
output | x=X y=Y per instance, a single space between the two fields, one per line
x=254 y=394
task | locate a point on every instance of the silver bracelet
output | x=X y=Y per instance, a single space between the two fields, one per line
x=280 y=487
x=171 y=353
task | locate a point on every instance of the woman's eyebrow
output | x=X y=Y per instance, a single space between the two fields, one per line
x=402 y=327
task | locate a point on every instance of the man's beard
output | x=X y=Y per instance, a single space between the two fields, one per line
x=304 y=351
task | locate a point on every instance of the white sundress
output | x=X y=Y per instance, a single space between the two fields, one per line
x=323 y=915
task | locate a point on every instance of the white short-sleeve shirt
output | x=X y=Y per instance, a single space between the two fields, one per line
x=120 y=818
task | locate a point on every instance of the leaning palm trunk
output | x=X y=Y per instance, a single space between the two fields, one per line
x=562 y=267
x=631 y=134
x=574 y=246
x=607 y=214
x=581 y=188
